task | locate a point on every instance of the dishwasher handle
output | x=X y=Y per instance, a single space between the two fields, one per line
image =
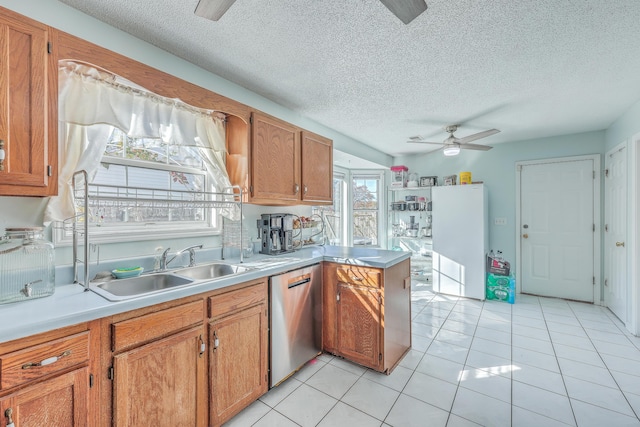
x=301 y=280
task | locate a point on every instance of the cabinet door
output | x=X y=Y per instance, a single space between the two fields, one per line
x=162 y=383
x=59 y=402
x=275 y=161
x=359 y=324
x=28 y=129
x=239 y=361
x=317 y=168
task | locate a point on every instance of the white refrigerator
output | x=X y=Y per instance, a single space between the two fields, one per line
x=460 y=239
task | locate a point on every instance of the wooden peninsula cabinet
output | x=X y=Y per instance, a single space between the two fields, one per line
x=28 y=128
x=239 y=350
x=45 y=380
x=367 y=313
x=289 y=166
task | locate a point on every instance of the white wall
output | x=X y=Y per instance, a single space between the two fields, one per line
x=20 y=211
x=496 y=168
x=627 y=125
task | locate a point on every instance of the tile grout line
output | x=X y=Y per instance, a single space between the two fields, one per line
x=608 y=370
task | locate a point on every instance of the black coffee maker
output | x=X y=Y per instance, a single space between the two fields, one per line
x=276 y=233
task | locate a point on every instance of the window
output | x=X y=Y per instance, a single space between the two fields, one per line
x=335 y=230
x=153 y=167
x=367 y=200
x=151 y=163
x=125 y=137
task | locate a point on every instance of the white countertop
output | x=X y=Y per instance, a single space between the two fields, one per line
x=71 y=304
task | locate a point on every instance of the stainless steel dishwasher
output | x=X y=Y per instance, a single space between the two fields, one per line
x=296 y=320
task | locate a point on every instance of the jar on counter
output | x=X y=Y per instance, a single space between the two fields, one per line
x=27 y=268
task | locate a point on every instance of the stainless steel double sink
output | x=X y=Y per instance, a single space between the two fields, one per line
x=123 y=289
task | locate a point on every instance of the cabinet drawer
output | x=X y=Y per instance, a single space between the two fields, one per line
x=359 y=276
x=34 y=362
x=230 y=302
x=132 y=332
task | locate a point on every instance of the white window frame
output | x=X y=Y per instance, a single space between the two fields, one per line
x=342 y=229
x=382 y=202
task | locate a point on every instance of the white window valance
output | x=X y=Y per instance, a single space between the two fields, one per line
x=91 y=101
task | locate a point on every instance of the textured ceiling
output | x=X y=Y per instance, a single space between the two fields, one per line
x=531 y=68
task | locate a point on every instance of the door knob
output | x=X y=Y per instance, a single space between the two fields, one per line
x=525 y=236
x=620 y=244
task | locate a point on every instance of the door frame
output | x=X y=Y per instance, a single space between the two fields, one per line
x=633 y=238
x=597 y=220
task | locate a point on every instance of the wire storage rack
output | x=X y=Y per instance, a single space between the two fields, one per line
x=308 y=231
x=92 y=199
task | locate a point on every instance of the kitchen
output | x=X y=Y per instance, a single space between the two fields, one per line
x=494 y=167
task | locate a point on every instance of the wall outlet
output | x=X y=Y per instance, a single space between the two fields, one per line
x=500 y=221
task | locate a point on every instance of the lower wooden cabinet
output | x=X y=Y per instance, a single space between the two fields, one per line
x=158 y=366
x=62 y=401
x=45 y=379
x=161 y=383
x=238 y=357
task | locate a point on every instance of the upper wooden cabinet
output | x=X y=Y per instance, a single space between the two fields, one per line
x=284 y=164
x=275 y=161
x=28 y=117
x=317 y=168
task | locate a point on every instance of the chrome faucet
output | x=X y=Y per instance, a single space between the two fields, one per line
x=192 y=256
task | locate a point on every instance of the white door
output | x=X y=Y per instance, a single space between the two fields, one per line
x=615 y=218
x=557 y=229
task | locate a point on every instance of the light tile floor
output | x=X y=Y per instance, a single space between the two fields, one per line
x=539 y=362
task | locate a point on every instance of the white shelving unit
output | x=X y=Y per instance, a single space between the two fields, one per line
x=399 y=235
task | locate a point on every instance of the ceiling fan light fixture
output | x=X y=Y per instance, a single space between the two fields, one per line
x=451 y=150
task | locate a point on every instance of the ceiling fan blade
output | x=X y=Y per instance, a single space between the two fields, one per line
x=418 y=141
x=405 y=10
x=213 y=9
x=478 y=135
x=475 y=147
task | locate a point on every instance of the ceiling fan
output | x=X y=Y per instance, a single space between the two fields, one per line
x=406 y=10
x=452 y=145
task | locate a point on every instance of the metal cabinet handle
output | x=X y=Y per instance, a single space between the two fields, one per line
x=305 y=189
x=620 y=244
x=8 y=415
x=296 y=189
x=357 y=279
x=216 y=341
x=203 y=347
x=525 y=236
x=46 y=361
x=2 y=154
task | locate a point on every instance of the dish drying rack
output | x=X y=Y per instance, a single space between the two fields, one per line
x=92 y=197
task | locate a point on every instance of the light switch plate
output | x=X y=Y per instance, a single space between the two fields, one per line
x=500 y=221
